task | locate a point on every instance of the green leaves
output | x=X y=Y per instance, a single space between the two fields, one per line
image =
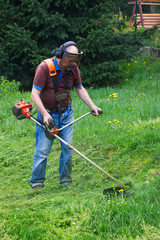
x=31 y=29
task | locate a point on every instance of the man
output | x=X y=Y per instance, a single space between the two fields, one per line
x=51 y=96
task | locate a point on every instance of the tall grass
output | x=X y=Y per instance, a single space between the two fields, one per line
x=124 y=141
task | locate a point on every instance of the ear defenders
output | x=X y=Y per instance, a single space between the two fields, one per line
x=62 y=49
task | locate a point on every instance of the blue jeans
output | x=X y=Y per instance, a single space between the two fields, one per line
x=43 y=148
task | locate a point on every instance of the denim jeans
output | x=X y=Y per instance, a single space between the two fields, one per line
x=43 y=148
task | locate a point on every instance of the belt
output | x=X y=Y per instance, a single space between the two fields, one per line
x=62 y=110
x=56 y=110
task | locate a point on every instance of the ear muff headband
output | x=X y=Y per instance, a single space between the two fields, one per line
x=60 y=51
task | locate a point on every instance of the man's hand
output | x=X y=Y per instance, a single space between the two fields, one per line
x=97 y=111
x=46 y=116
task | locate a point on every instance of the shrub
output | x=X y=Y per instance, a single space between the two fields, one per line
x=8 y=87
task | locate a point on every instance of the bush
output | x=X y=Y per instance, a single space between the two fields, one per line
x=106 y=50
x=7 y=87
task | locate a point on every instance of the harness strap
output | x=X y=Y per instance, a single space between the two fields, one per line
x=64 y=94
x=51 y=67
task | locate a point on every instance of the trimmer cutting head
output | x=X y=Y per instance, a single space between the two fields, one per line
x=116 y=191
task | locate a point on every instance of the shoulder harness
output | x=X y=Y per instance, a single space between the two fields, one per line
x=53 y=73
x=59 y=96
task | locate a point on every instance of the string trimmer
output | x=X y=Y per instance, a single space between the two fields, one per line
x=23 y=110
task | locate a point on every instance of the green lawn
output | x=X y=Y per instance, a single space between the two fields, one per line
x=124 y=141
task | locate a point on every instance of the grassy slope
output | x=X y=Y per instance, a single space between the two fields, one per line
x=124 y=141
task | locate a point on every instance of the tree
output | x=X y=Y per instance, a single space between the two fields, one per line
x=31 y=29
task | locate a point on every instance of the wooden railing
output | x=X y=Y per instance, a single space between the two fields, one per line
x=149 y=20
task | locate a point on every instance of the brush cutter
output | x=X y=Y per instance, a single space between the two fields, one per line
x=23 y=110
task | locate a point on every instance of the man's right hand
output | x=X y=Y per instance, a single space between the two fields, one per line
x=46 y=116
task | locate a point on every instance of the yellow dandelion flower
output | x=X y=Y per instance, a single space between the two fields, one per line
x=115 y=120
x=91 y=87
x=144 y=62
x=121 y=190
x=150 y=77
x=129 y=108
x=100 y=100
x=107 y=99
x=131 y=59
x=126 y=79
x=118 y=121
x=109 y=121
x=135 y=61
x=140 y=94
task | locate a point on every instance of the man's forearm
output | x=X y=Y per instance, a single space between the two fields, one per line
x=83 y=94
x=39 y=105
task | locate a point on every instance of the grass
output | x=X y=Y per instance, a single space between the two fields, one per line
x=124 y=141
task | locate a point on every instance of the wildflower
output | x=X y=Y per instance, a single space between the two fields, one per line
x=128 y=64
x=129 y=108
x=107 y=99
x=113 y=95
x=126 y=79
x=135 y=61
x=109 y=121
x=144 y=62
x=73 y=223
x=131 y=59
x=140 y=94
x=121 y=190
x=100 y=100
x=91 y=87
x=115 y=120
x=150 y=77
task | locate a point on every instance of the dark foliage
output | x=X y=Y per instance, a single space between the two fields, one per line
x=31 y=29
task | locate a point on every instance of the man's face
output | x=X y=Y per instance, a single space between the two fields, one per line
x=69 y=61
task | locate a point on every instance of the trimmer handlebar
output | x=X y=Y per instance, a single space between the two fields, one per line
x=23 y=110
x=51 y=129
x=99 y=112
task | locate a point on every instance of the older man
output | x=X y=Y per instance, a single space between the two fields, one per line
x=52 y=98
